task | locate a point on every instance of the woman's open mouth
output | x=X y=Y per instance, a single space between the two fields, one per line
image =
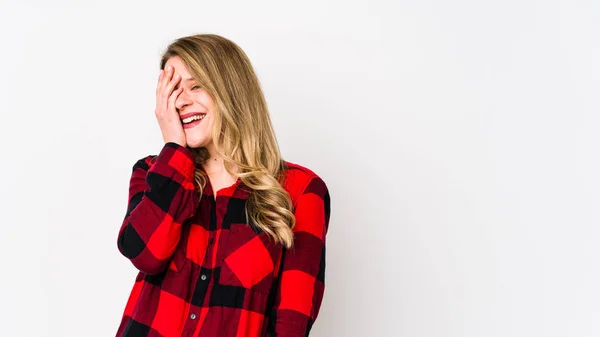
x=192 y=121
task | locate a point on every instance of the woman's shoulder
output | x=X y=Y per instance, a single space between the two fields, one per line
x=298 y=179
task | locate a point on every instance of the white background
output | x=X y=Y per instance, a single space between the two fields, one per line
x=458 y=140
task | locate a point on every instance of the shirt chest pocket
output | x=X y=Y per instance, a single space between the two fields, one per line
x=249 y=259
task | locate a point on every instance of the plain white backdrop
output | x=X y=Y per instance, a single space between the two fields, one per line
x=459 y=140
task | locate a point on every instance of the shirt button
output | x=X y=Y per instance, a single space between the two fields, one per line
x=193 y=316
x=203 y=278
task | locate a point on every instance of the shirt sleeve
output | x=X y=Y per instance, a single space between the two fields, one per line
x=162 y=195
x=302 y=271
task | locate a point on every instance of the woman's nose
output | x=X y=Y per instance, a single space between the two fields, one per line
x=182 y=100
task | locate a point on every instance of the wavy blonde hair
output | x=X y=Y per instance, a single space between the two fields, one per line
x=243 y=133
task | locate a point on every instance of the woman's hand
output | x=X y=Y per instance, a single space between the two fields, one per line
x=166 y=113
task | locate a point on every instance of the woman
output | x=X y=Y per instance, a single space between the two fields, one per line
x=228 y=238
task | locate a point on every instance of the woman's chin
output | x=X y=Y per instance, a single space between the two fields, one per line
x=195 y=143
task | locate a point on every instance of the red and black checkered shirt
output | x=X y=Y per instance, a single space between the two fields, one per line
x=204 y=269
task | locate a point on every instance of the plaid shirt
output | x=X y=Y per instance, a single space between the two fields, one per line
x=204 y=270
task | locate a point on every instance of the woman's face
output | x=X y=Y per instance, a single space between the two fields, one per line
x=193 y=100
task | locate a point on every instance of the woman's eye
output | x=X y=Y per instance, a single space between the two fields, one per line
x=196 y=86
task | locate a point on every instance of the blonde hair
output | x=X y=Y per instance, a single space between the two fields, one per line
x=243 y=134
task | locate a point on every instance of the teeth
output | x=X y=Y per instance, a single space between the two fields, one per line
x=193 y=118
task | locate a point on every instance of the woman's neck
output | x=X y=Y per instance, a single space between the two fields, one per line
x=215 y=164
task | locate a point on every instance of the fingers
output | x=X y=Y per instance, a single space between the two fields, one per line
x=161 y=81
x=165 y=78
x=164 y=90
x=173 y=98
x=171 y=84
